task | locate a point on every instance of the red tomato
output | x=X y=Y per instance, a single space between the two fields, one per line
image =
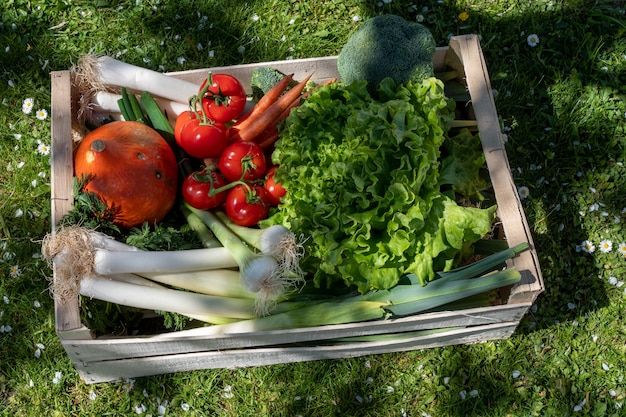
x=225 y=99
x=198 y=139
x=243 y=161
x=181 y=121
x=275 y=191
x=198 y=186
x=246 y=204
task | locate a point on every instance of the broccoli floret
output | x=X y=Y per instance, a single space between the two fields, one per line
x=262 y=79
x=387 y=46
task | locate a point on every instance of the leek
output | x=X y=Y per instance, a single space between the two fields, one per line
x=98 y=73
x=398 y=301
x=203 y=307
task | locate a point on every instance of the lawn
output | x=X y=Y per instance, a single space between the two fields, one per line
x=559 y=69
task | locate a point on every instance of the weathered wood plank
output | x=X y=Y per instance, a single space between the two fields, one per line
x=62 y=194
x=322 y=69
x=104 y=371
x=510 y=209
x=200 y=340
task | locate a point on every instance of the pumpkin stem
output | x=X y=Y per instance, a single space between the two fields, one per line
x=98 y=145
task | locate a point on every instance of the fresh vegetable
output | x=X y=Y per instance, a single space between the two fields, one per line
x=263 y=79
x=275 y=191
x=276 y=241
x=259 y=273
x=362 y=181
x=406 y=298
x=243 y=161
x=217 y=282
x=247 y=204
x=266 y=100
x=97 y=73
x=224 y=98
x=106 y=262
x=204 y=307
x=199 y=137
x=250 y=128
x=106 y=102
x=131 y=168
x=203 y=233
x=156 y=117
x=462 y=167
x=198 y=187
x=387 y=46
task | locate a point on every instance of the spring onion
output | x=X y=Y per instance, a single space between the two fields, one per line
x=401 y=300
x=259 y=273
x=275 y=240
x=206 y=237
x=218 y=282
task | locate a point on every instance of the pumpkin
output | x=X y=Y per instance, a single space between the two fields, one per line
x=131 y=168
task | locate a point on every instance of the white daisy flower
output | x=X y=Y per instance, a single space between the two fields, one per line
x=532 y=40
x=27 y=105
x=606 y=246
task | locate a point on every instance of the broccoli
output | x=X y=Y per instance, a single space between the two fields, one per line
x=262 y=79
x=387 y=46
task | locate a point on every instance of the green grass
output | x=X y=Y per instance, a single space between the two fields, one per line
x=562 y=105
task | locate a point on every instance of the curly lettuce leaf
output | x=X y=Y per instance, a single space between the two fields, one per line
x=461 y=168
x=363 y=184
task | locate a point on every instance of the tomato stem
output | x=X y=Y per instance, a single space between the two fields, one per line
x=215 y=191
x=194 y=100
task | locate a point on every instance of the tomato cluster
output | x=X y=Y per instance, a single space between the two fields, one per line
x=235 y=175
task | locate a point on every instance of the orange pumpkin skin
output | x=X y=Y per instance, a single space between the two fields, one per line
x=132 y=169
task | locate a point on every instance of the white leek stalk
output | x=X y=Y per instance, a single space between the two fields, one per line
x=201 y=306
x=107 y=262
x=98 y=73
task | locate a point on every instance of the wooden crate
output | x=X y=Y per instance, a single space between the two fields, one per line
x=100 y=359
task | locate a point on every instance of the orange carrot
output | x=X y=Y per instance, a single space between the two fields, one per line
x=267 y=138
x=251 y=128
x=268 y=98
x=302 y=97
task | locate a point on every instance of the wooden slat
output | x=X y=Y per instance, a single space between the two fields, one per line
x=323 y=69
x=105 y=371
x=66 y=313
x=61 y=128
x=200 y=340
x=510 y=210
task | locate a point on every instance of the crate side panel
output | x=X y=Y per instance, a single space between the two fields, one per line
x=61 y=128
x=61 y=184
x=510 y=209
x=105 y=371
x=322 y=69
x=201 y=340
